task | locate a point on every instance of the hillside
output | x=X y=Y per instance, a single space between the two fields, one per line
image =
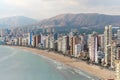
x=89 y=20
x=16 y=21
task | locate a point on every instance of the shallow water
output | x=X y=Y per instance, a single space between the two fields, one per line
x=17 y=64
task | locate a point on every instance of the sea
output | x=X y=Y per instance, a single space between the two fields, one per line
x=18 y=64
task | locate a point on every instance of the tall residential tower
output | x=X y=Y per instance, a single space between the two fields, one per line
x=107 y=43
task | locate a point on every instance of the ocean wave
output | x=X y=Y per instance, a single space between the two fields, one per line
x=7 y=57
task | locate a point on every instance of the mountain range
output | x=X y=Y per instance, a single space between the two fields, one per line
x=16 y=21
x=87 y=20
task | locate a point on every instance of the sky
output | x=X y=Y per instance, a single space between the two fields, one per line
x=41 y=9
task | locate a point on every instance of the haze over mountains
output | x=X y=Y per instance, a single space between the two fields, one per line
x=89 y=20
x=16 y=21
x=82 y=20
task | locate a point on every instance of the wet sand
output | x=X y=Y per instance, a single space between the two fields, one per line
x=92 y=69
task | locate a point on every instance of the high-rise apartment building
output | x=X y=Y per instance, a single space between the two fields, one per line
x=78 y=50
x=118 y=34
x=101 y=42
x=117 y=69
x=1 y=33
x=113 y=54
x=30 y=35
x=38 y=40
x=93 y=47
x=51 y=42
x=107 y=43
x=118 y=52
x=73 y=41
x=65 y=44
x=47 y=42
x=59 y=44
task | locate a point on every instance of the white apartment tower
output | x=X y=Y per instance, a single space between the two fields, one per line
x=107 y=42
x=93 y=48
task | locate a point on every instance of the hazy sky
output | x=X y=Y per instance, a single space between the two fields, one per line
x=40 y=9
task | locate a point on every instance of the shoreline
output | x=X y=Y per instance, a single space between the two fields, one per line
x=91 y=69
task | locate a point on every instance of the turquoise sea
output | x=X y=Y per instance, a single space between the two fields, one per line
x=17 y=64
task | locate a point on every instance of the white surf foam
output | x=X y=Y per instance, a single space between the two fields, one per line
x=7 y=57
x=82 y=73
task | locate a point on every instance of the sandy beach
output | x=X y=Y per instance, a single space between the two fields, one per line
x=92 y=69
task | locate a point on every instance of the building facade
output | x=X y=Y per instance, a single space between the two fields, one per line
x=117 y=69
x=107 y=43
x=93 y=48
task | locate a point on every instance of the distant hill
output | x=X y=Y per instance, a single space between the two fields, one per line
x=88 y=20
x=16 y=21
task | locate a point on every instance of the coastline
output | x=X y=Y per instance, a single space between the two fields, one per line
x=91 y=69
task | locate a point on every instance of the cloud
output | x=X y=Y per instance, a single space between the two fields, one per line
x=17 y=3
x=47 y=8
